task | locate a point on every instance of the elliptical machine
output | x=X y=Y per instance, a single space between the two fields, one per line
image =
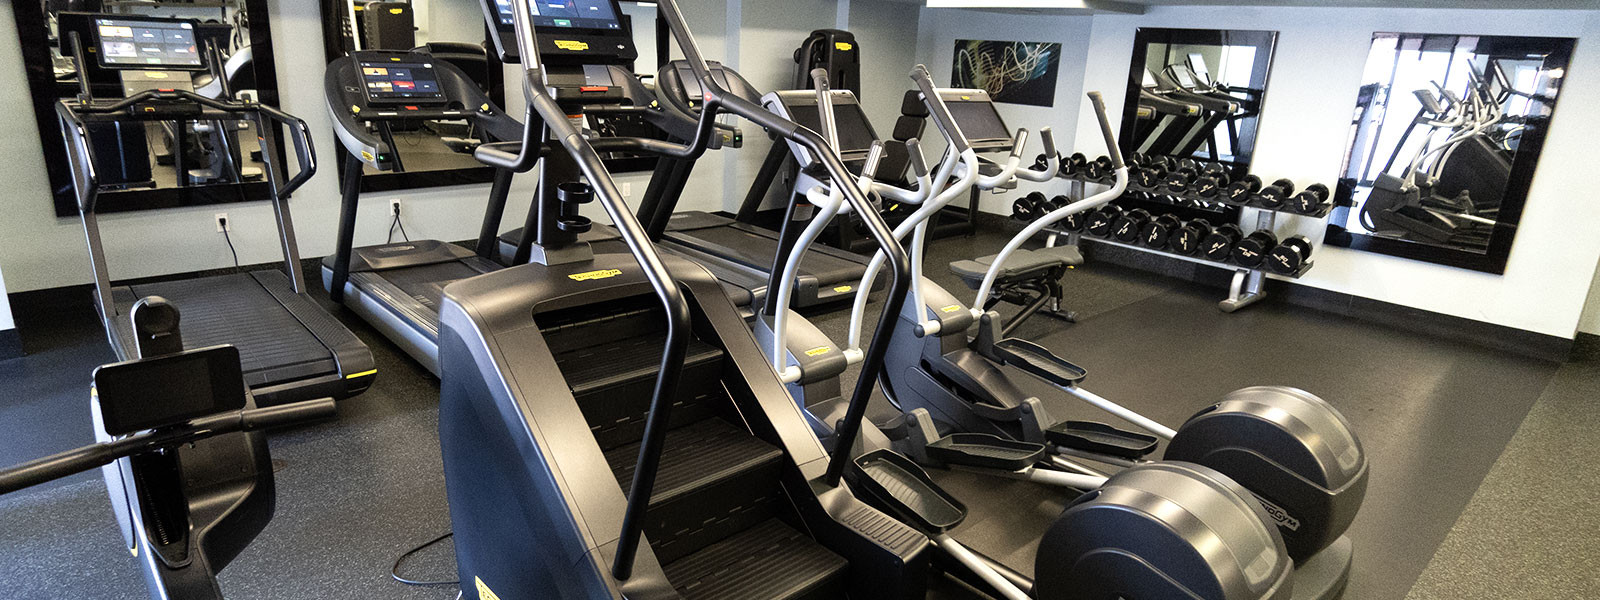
x=181 y=447
x=962 y=408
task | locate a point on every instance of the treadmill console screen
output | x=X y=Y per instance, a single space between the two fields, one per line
x=978 y=120
x=170 y=389
x=564 y=14
x=392 y=82
x=855 y=132
x=148 y=44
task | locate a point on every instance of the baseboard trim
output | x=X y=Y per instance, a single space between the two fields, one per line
x=1488 y=335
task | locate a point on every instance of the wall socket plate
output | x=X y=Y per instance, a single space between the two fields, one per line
x=394 y=206
x=223 y=218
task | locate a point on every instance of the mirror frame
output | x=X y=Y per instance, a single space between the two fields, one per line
x=1523 y=165
x=35 y=50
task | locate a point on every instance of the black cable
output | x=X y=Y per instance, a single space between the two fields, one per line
x=395 y=570
x=402 y=225
x=229 y=240
x=392 y=223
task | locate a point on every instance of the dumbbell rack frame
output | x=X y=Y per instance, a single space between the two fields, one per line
x=1248 y=286
x=1327 y=207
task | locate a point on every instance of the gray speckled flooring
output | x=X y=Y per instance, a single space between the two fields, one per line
x=356 y=492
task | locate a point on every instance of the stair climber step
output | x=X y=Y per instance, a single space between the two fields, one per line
x=595 y=368
x=985 y=451
x=714 y=480
x=770 y=561
x=1039 y=361
x=1100 y=438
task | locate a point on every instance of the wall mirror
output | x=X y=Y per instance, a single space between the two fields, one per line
x=1195 y=95
x=216 y=48
x=1443 y=143
x=430 y=153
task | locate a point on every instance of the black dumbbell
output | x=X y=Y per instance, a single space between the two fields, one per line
x=1177 y=182
x=1218 y=245
x=1041 y=161
x=1128 y=225
x=1149 y=177
x=1029 y=207
x=1253 y=249
x=1158 y=231
x=1310 y=200
x=1100 y=223
x=1274 y=196
x=1290 y=255
x=1240 y=191
x=1098 y=169
x=1071 y=166
x=1188 y=163
x=1186 y=240
x=1075 y=221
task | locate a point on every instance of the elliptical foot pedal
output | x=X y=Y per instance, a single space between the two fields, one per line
x=896 y=485
x=1100 y=438
x=985 y=451
x=1039 y=361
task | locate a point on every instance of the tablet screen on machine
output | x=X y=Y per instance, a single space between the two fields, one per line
x=148 y=44
x=855 y=132
x=979 y=121
x=564 y=14
x=392 y=83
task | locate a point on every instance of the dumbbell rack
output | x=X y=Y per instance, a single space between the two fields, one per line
x=1248 y=282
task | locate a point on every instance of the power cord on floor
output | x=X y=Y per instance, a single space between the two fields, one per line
x=395 y=570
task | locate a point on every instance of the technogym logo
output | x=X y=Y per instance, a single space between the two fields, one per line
x=1279 y=514
x=601 y=274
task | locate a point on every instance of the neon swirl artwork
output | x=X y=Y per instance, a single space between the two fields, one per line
x=1014 y=72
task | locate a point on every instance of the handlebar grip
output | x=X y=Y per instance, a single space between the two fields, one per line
x=1112 y=151
x=919 y=164
x=1049 y=140
x=1017 y=142
x=287 y=414
x=874 y=156
x=56 y=466
x=936 y=107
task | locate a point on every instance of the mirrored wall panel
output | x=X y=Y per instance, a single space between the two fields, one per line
x=1194 y=99
x=114 y=49
x=1445 y=136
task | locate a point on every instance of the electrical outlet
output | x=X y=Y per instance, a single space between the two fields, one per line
x=223 y=224
x=394 y=206
x=627 y=189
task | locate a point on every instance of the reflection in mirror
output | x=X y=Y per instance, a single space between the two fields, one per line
x=1446 y=133
x=115 y=49
x=1193 y=102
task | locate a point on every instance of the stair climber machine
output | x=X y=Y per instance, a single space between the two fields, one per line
x=1293 y=451
x=290 y=347
x=608 y=426
x=1159 y=552
x=182 y=449
x=396 y=286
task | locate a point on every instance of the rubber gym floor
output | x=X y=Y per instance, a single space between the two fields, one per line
x=1482 y=483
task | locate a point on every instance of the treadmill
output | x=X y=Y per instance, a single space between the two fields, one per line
x=396 y=286
x=289 y=348
x=734 y=249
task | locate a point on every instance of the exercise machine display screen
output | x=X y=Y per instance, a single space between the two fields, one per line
x=148 y=44
x=393 y=83
x=170 y=389
x=855 y=132
x=564 y=14
x=979 y=121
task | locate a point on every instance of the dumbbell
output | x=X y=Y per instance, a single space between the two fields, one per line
x=1101 y=222
x=1218 y=245
x=1240 y=191
x=1041 y=161
x=1310 y=200
x=1149 y=175
x=1290 y=255
x=1186 y=240
x=1212 y=181
x=1075 y=221
x=1128 y=225
x=1253 y=249
x=1157 y=231
x=1275 y=195
x=1073 y=165
x=1029 y=207
x=1098 y=169
x=1178 y=181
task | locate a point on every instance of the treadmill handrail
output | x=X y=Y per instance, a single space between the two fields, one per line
x=717 y=98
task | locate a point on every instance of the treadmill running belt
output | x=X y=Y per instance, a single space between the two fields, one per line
x=234 y=309
x=426 y=283
x=756 y=251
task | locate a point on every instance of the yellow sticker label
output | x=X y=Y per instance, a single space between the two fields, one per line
x=601 y=274
x=818 y=350
x=572 y=45
x=394 y=59
x=367 y=156
x=843 y=46
x=355 y=109
x=844 y=288
x=156 y=75
x=396 y=11
x=363 y=373
x=951 y=308
x=484 y=107
x=483 y=590
x=966 y=97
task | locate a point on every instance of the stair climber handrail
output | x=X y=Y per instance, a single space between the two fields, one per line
x=1056 y=215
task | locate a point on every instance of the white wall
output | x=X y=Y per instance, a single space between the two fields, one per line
x=5 y=307
x=937 y=31
x=1590 y=321
x=1305 y=123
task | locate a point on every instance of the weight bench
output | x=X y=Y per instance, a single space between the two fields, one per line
x=1030 y=279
